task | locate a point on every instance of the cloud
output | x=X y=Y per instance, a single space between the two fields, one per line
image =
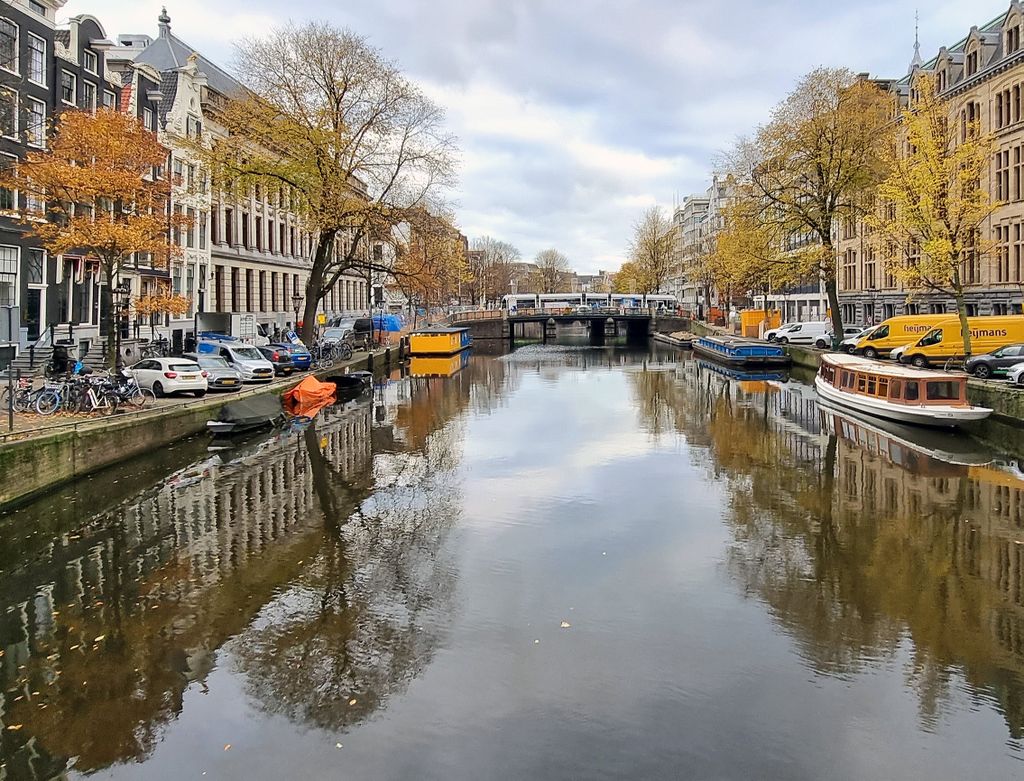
x=574 y=117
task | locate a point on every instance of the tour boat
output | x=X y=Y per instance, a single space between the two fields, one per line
x=734 y=351
x=899 y=393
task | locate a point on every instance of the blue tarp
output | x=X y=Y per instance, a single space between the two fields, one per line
x=387 y=323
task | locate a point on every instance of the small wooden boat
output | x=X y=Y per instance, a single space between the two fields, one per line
x=679 y=339
x=439 y=341
x=734 y=351
x=900 y=393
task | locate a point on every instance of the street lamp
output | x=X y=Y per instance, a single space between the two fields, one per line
x=296 y=304
x=120 y=296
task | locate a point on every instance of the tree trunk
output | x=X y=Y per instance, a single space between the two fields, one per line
x=965 y=328
x=832 y=293
x=314 y=285
x=111 y=319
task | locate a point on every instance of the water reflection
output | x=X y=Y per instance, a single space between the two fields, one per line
x=860 y=535
x=310 y=555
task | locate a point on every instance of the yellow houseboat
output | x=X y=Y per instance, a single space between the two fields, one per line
x=437 y=365
x=439 y=341
x=898 y=393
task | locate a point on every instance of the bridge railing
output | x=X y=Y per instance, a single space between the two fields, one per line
x=479 y=314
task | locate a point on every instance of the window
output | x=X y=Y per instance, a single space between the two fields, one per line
x=90 y=61
x=148 y=119
x=942 y=391
x=8 y=45
x=35 y=130
x=879 y=333
x=193 y=127
x=1003 y=175
x=229 y=227
x=8 y=113
x=37 y=7
x=36 y=59
x=89 y=96
x=895 y=389
x=8 y=198
x=1013 y=39
x=932 y=337
x=972 y=63
x=910 y=392
x=202 y=230
x=178 y=169
x=190 y=177
x=109 y=100
x=862 y=383
x=67 y=87
x=245 y=230
x=8 y=274
x=190 y=238
x=36 y=264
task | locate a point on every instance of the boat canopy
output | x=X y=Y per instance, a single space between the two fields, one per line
x=251 y=411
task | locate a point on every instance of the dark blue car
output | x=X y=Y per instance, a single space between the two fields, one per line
x=300 y=355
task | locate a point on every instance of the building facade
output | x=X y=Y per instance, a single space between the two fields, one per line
x=982 y=79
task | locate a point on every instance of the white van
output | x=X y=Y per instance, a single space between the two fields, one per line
x=805 y=333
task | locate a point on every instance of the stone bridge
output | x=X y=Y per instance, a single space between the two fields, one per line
x=500 y=324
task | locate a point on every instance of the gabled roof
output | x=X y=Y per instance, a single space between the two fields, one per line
x=168 y=53
x=993 y=26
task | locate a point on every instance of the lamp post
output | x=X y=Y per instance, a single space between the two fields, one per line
x=296 y=304
x=119 y=295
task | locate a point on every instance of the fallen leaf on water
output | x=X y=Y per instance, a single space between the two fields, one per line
x=565 y=625
x=337 y=745
x=536 y=642
x=15 y=727
x=353 y=701
x=99 y=638
x=227 y=746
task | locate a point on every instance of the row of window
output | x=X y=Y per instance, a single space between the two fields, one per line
x=35 y=70
x=31 y=128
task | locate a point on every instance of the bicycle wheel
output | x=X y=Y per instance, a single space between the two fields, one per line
x=108 y=402
x=345 y=351
x=135 y=398
x=48 y=402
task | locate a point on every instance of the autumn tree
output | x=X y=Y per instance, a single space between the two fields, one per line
x=491 y=268
x=932 y=206
x=163 y=302
x=654 y=250
x=811 y=164
x=431 y=262
x=356 y=147
x=552 y=274
x=96 y=187
x=626 y=279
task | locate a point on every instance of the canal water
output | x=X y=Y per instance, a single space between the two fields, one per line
x=562 y=563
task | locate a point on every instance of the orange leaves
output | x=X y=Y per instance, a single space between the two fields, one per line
x=162 y=303
x=96 y=178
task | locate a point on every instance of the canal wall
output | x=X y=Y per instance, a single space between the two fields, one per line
x=39 y=462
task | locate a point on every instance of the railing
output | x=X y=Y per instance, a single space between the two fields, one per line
x=480 y=314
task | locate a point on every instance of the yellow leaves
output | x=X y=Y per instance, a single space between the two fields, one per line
x=162 y=303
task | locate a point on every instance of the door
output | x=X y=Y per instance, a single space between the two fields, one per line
x=32 y=313
x=1009 y=356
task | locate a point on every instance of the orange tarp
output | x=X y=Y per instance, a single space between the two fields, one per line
x=309 y=397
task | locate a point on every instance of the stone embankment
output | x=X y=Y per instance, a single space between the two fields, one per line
x=34 y=461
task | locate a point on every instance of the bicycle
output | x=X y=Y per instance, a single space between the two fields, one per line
x=98 y=396
x=158 y=348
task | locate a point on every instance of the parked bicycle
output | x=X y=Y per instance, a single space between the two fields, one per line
x=158 y=348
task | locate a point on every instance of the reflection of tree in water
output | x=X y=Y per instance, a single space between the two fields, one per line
x=375 y=601
x=860 y=558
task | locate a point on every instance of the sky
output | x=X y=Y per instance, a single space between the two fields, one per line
x=574 y=116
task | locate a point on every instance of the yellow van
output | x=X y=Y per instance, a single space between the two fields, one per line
x=896 y=332
x=945 y=341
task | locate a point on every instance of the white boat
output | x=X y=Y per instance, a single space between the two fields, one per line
x=900 y=393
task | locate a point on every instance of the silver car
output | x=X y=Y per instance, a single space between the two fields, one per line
x=220 y=375
x=1015 y=374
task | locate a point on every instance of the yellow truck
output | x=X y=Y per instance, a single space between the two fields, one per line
x=945 y=340
x=896 y=332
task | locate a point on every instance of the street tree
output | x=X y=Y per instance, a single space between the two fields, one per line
x=431 y=260
x=931 y=207
x=654 y=250
x=491 y=269
x=352 y=145
x=552 y=274
x=811 y=165
x=92 y=193
x=626 y=279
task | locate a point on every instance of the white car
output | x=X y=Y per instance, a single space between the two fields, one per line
x=896 y=353
x=170 y=375
x=1015 y=374
x=773 y=334
x=249 y=361
x=849 y=344
x=805 y=333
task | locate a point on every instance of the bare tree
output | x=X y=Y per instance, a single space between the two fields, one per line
x=491 y=268
x=552 y=275
x=352 y=145
x=654 y=250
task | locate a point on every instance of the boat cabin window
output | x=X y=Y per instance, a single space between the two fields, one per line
x=848 y=379
x=883 y=387
x=879 y=333
x=943 y=391
x=871 y=390
x=930 y=338
x=862 y=383
x=910 y=392
x=896 y=389
x=828 y=373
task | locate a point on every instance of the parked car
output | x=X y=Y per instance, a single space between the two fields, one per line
x=897 y=352
x=1015 y=373
x=170 y=375
x=336 y=334
x=773 y=334
x=824 y=341
x=279 y=359
x=301 y=359
x=244 y=357
x=220 y=375
x=995 y=362
x=849 y=343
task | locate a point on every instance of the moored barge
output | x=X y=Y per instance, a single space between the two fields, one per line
x=733 y=351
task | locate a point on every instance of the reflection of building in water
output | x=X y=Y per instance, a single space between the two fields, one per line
x=858 y=538
x=105 y=628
